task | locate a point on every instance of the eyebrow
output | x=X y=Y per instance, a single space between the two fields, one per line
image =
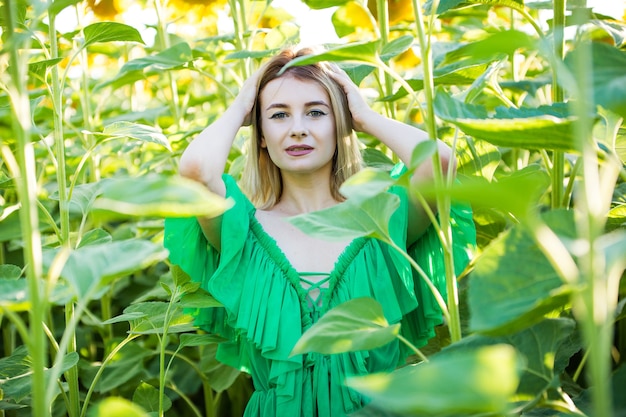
x=308 y=104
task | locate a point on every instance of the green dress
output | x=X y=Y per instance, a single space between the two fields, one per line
x=267 y=308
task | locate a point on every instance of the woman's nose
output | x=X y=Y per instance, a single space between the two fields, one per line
x=298 y=128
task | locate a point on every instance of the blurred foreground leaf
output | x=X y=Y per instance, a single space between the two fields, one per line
x=117 y=407
x=546 y=347
x=517 y=194
x=545 y=127
x=513 y=284
x=89 y=268
x=358 y=324
x=159 y=196
x=480 y=380
x=608 y=76
x=366 y=52
x=350 y=220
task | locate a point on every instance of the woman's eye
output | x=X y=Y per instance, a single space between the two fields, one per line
x=279 y=115
x=317 y=113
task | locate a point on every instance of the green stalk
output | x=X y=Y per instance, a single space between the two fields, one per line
x=382 y=10
x=209 y=401
x=237 y=12
x=558 y=158
x=106 y=361
x=85 y=102
x=591 y=304
x=411 y=346
x=163 y=339
x=164 y=42
x=443 y=203
x=26 y=185
x=57 y=105
x=71 y=375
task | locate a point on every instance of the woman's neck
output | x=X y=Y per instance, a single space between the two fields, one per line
x=304 y=194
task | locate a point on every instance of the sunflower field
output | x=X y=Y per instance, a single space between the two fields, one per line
x=98 y=99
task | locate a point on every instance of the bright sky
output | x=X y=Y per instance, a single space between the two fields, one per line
x=316 y=27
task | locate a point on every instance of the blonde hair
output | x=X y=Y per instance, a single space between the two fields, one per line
x=261 y=179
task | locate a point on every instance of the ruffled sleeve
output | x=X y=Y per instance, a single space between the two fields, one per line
x=260 y=313
x=189 y=249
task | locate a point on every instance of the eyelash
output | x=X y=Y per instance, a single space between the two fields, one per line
x=279 y=115
x=313 y=113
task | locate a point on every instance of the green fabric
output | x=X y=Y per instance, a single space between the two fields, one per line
x=266 y=308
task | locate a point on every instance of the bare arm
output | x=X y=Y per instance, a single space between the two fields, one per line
x=401 y=138
x=205 y=157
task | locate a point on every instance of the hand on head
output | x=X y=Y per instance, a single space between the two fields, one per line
x=247 y=96
x=359 y=108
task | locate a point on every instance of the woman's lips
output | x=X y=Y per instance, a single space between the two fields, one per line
x=298 y=150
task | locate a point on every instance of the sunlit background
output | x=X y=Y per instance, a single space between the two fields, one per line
x=315 y=25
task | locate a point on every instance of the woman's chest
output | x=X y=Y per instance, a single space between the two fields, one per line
x=305 y=253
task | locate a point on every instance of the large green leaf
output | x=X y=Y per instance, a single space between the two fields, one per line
x=350 y=220
x=109 y=32
x=141 y=132
x=172 y=57
x=365 y=184
x=159 y=196
x=545 y=127
x=504 y=42
x=518 y=193
x=88 y=268
x=608 y=76
x=513 y=285
x=458 y=73
x=544 y=347
x=358 y=324
x=464 y=382
x=365 y=52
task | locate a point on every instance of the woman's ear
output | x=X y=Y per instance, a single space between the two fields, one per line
x=263 y=144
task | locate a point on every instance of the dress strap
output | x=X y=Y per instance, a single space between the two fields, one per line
x=314 y=286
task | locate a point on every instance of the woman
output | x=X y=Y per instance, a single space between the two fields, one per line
x=275 y=281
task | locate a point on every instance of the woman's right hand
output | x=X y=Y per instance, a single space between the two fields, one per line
x=247 y=97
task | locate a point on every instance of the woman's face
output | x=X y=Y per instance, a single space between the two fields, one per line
x=298 y=125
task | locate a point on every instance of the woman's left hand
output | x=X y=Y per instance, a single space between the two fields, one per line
x=359 y=108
